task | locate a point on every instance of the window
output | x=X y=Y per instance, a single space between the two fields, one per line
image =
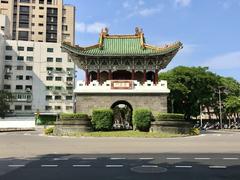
x=7 y=77
x=41 y=7
x=7 y=87
x=58 y=78
x=68 y=108
x=20 y=48
x=40 y=16
x=64 y=27
x=58 y=59
x=20 y=58
x=19 y=77
x=58 y=88
x=29 y=68
x=25 y=1
x=57 y=107
x=28 y=77
x=28 y=87
x=33 y=16
x=23 y=35
x=69 y=78
x=8 y=68
x=8 y=58
x=20 y=68
x=49 y=88
x=29 y=58
x=48 y=97
x=40 y=24
x=59 y=69
x=58 y=97
x=41 y=1
x=49 y=59
x=40 y=33
x=19 y=87
x=48 y=108
x=68 y=97
x=49 y=78
x=28 y=108
x=49 y=68
x=69 y=88
x=49 y=49
x=8 y=48
x=18 y=107
x=64 y=20
x=29 y=48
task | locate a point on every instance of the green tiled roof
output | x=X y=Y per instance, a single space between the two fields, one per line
x=122 y=45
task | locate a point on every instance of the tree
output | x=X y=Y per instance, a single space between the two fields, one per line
x=232 y=107
x=5 y=99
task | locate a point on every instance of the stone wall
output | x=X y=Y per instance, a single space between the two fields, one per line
x=156 y=102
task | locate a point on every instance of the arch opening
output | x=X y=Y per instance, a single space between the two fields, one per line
x=122 y=115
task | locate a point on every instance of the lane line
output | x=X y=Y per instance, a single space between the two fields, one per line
x=143 y=158
x=60 y=159
x=199 y=158
x=149 y=166
x=49 y=165
x=89 y=158
x=174 y=158
x=217 y=167
x=114 y=165
x=81 y=165
x=230 y=158
x=117 y=158
x=183 y=166
x=16 y=165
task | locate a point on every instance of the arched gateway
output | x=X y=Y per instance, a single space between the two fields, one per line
x=121 y=67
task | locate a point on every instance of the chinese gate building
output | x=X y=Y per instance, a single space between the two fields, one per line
x=121 y=69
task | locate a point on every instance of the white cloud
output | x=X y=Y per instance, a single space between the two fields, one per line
x=90 y=28
x=141 y=2
x=144 y=12
x=224 y=62
x=183 y=3
x=126 y=4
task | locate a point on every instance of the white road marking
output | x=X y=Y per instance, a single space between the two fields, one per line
x=199 y=158
x=81 y=165
x=27 y=134
x=114 y=165
x=174 y=158
x=230 y=158
x=16 y=165
x=49 y=165
x=183 y=166
x=216 y=134
x=201 y=135
x=60 y=159
x=117 y=158
x=149 y=166
x=146 y=158
x=89 y=158
x=217 y=167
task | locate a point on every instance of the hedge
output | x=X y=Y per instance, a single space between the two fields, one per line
x=73 y=116
x=102 y=119
x=45 y=120
x=142 y=119
x=169 y=117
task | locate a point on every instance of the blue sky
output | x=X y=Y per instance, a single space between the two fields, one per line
x=209 y=29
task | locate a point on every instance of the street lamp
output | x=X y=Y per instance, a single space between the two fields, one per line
x=220 y=106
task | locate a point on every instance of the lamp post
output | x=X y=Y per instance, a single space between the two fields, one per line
x=220 y=107
x=201 y=115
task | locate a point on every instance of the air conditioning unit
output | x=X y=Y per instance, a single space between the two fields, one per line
x=69 y=73
x=8 y=70
x=49 y=72
x=69 y=83
x=28 y=90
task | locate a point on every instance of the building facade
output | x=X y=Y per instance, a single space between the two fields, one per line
x=122 y=69
x=40 y=20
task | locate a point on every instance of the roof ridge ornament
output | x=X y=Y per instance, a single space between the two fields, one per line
x=139 y=33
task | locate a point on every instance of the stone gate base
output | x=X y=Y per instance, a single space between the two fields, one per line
x=156 y=102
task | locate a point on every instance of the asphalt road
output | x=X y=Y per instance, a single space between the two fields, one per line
x=29 y=155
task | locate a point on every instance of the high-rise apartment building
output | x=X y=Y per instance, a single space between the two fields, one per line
x=40 y=20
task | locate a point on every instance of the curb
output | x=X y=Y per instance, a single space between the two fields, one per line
x=16 y=129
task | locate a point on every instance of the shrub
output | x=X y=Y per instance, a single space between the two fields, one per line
x=169 y=117
x=45 y=120
x=194 y=131
x=73 y=116
x=142 y=119
x=102 y=119
x=48 y=131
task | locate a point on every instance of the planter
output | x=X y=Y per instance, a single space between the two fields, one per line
x=69 y=127
x=176 y=127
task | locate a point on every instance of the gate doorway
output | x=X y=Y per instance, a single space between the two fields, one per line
x=122 y=115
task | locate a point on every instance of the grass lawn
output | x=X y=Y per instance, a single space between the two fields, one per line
x=128 y=134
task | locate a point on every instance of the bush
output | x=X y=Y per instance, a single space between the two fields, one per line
x=45 y=120
x=73 y=116
x=102 y=119
x=169 y=117
x=142 y=119
x=194 y=131
x=48 y=131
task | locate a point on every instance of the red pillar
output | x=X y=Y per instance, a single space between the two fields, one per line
x=133 y=74
x=86 y=77
x=156 y=77
x=98 y=75
x=109 y=74
x=144 y=76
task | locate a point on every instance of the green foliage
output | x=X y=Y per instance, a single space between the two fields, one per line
x=169 y=117
x=194 y=131
x=48 y=131
x=5 y=99
x=45 y=120
x=72 y=116
x=102 y=119
x=142 y=119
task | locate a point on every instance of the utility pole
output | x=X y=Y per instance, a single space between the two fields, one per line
x=201 y=116
x=220 y=107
